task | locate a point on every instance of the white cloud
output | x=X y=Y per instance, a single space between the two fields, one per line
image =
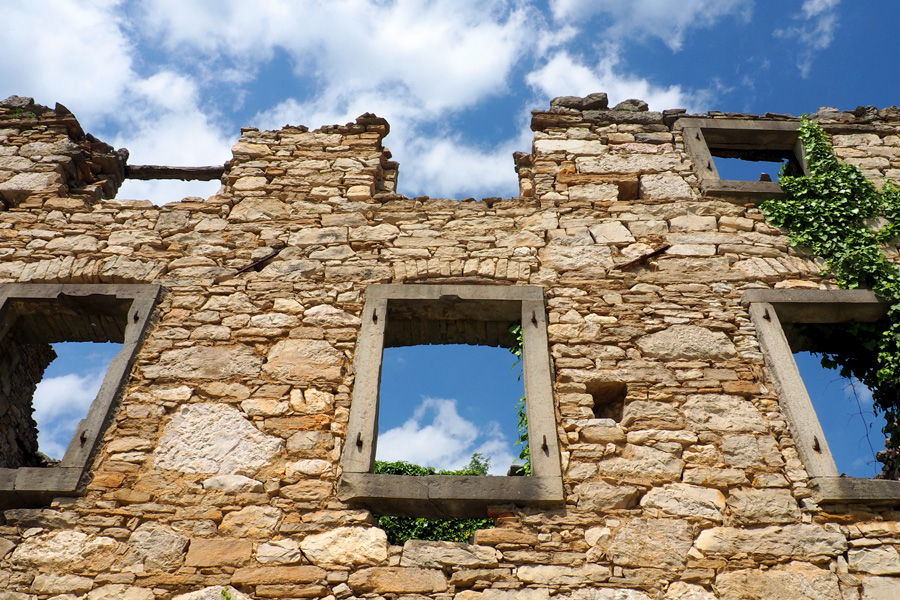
x=819 y=22
x=59 y=404
x=69 y=51
x=565 y=74
x=669 y=21
x=437 y=436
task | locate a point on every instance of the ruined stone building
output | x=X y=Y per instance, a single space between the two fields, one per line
x=229 y=453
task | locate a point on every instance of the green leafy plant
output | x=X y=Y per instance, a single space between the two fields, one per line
x=515 y=348
x=400 y=529
x=839 y=215
x=226 y=594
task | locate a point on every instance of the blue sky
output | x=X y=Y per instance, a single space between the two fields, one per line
x=173 y=80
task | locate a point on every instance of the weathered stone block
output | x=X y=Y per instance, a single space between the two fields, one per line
x=658 y=543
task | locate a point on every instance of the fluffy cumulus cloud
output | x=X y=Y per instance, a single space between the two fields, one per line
x=814 y=31
x=438 y=436
x=669 y=21
x=59 y=404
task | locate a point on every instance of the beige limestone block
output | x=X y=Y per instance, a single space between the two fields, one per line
x=751 y=507
x=66 y=551
x=250 y=184
x=628 y=163
x=158 y=546
x=575 y=258
x=502 y=535
x=747 y=450
x=134 y=238
x=680 y=590
x=22 y=185
x=775 y=542
x=310 y=466
x=233 y=484
x=611 y=233
x=277 y=575
x=689 y=501
x=218 y=551
x=73 y=243
x=302 y=361
x=259 y=209
x=307 y=491
x=497 y=594
x=216 y=592
x=879 y=560
x=722 y=413
x=641 y=465
x=664 y=186
x=570 y=146
x=657 y=543
x=880 y=588
x=720 y=478
x=594 y=496
x=647 y=413
x=205 y=362
x=444 y=555
x=118 y=591
x=45 y=583
x=594 y=192
x=325 y=315
x=216 y=439
x=687 y=342
x=397 y=580
x=291 y=270
x=321 y=235
x=378 y=233
x=251 y=522
x=797 y=581
x=609 y=594
x=251 y=150
x=347 y=546
x=559 y=575
x=279 y=552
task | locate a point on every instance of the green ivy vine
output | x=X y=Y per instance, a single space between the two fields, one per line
x=400 y=529
x=839 y=215
x=515 y=347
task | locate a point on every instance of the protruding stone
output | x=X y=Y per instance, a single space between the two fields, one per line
x=688 y=501
x=445 y=555
x=158 y=546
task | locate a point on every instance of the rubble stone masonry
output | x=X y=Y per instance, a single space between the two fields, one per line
x=221 y=463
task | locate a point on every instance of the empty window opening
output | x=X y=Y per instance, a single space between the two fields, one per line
x=741 y=160
x=609 y=399
x=66 y=351
x=163 y=191
x=842 y=403
x=66 y=391
x=738 y=168
x=472 y=319
x=441 y=404
x=844 y=408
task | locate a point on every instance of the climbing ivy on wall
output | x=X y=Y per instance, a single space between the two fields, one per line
x=839 y=215
x=400 y=529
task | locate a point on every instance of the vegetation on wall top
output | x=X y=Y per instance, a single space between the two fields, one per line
x=839 y=215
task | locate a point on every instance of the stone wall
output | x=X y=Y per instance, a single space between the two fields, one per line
x=221 y=465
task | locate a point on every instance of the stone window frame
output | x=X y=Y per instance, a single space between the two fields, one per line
x=775 y=139
x=443 y=496
x=36 y=486
x=769 y=311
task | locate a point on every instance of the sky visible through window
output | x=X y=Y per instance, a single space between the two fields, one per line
x=439 y=404
x=738 y=169
x=66 y=392
x=844 y=408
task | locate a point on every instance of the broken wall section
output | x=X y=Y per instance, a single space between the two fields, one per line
x=52 y=158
